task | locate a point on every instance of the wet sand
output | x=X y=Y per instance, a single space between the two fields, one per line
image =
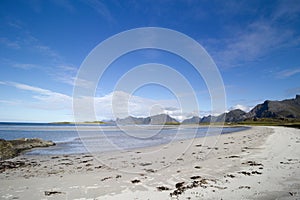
x=258 y=163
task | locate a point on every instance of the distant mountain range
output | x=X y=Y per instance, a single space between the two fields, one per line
x=236 y=115
x=153 y=120
x=282 y=110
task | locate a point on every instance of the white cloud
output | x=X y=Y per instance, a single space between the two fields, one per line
x=268 y=32
x=45 y=99
x=30 y=88
x=250 y=44
x=120 y=104
x=287 y=73
x=241 y=107
x=116 y=104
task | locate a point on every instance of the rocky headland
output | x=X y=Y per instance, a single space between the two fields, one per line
x=12 y=148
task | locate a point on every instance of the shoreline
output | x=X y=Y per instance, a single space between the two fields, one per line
x=209 y=168
x=167 y=134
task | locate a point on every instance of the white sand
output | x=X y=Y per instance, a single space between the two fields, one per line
x=222 y=169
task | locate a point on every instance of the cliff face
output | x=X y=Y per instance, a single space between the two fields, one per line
x=208 y=119
x=289 y=108
x=236 y=115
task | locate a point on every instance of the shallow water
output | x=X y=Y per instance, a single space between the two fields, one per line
x=72 y=139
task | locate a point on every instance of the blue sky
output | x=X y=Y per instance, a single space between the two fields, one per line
x=255 y=44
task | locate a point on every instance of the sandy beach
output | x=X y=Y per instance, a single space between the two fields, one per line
x=258 y=163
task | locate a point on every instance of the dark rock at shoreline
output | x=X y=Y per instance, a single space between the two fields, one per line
x=6 y=165
x=7 y=150
x=12 y=148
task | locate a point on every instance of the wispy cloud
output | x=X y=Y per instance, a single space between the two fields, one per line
x=26 y=42
x=30 y=46
x=46 y=51
x=287 y=10
x=25 y=66
x=30 y=88
x=45 y=99
x=72 y=80
x=252 y=43
x=115 y=104
x=292 y=91
x=243 y=43
x=60 y=73
x=9 y=43
x=100 y=8
x=66 y=4
x=287 y=73
x=11 y=103
x=17 y=24
x=67 y=74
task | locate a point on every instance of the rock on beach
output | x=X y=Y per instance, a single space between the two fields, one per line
x=12 y=148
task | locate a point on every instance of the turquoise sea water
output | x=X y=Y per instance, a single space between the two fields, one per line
x=93 y=138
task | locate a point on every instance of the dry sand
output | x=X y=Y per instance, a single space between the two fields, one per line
x=258 y=163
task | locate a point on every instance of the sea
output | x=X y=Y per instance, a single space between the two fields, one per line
x=92 y=138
